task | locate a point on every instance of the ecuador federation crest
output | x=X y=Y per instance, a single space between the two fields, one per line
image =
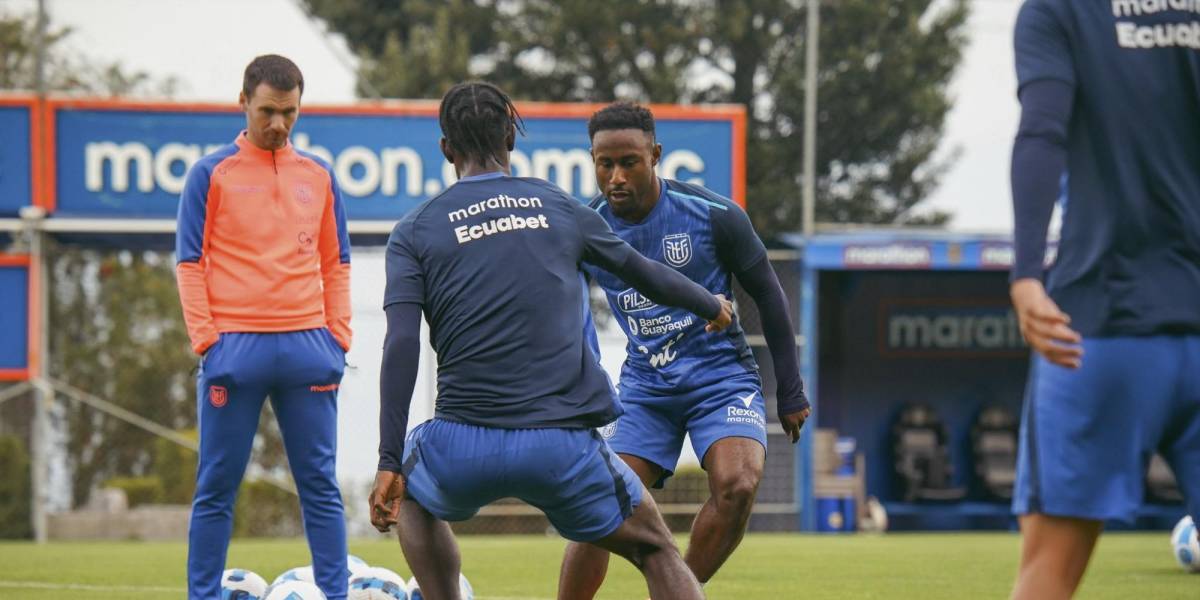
x=677 y=249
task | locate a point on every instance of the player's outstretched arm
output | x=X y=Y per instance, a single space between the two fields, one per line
x=658 y=282
x=1038 y=162
x=742 y=253
x=397 y=378
x=761 y=282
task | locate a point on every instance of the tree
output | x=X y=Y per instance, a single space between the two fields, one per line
x=117 y=329
x=885 y=70
x=411 y=48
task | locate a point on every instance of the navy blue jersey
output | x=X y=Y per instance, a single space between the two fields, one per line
x=495 y=263
x=1129 y=259
x=705 y=237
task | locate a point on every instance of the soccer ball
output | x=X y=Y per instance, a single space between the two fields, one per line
x=465 y=591
x=377 y=583
x=356 y=565
x=1185 y=545
x=304 y=574
x=294 y=590
x=240 y=584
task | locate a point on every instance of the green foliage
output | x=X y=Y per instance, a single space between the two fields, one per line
x=15 y=489
x=117 y=331
x=885 y=68
x=264 y=510
x=411 y=48
x=175 y=468
x=138 y=490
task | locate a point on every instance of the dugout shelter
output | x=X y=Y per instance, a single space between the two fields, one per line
x=893 y=319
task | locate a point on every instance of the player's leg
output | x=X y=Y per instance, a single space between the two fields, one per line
x=735 y=467
x=1054 y=555
x=644 y=540
x=592 y=496
x=450 y=470
x=727 y=424
x=305 y=403
x=1082 y=453
x=1181 y=438
x=229 y=398
x=431 y=551
x=648 y=439
x=585 y=565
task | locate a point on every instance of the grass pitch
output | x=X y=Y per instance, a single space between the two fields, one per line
x=767 y=566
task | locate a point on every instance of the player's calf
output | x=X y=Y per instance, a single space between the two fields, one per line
x=1054 y=555
x=431 y=551
x=644 y=540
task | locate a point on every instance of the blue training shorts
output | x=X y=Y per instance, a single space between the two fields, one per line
x=453 y=469
x=1087 y=435
x=653 y=426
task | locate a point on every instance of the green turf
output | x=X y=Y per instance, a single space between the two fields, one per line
x=766 y=566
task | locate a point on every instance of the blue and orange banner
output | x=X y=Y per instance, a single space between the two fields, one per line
x=113 y=159
x=20 y=151
x=18 y=297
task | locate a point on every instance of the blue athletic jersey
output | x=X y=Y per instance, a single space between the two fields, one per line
x=495 y=263
x=1129 y=259
x=706 y=237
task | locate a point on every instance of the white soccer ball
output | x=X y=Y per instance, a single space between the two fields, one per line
x=1185 y=545
x=377 y=584
x=294 y=590
x=304 y=574
x=356 y=565
x=240 y=584
x=465 y=591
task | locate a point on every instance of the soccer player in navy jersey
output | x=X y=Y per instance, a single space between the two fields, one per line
x=494 y=263
x=679 y=377
x=1110 y=93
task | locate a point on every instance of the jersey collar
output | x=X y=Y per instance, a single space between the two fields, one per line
x=245 y=146
x=484 y=176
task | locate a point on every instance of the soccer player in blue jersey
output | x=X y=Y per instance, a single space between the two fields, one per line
x=680 y=378
x=494 y=263
x=1110 y=93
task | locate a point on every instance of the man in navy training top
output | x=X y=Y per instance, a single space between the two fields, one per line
x=494 y=262
x=678 y=377
x=1110 y=93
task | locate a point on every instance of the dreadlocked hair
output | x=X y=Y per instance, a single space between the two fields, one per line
x=476 y=117
x=621 y=115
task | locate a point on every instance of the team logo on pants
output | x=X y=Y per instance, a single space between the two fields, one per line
x=609 y=430
x=217 y=396
x=677 y=249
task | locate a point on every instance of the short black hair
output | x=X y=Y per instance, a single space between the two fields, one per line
x=274 y=70
x=621 y=115
x=476 y=117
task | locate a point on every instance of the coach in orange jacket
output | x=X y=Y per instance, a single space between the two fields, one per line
x=264 y=278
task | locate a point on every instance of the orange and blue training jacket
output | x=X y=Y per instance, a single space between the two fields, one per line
x=261 y=245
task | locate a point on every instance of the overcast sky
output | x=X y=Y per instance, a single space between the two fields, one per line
x=206 y=43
